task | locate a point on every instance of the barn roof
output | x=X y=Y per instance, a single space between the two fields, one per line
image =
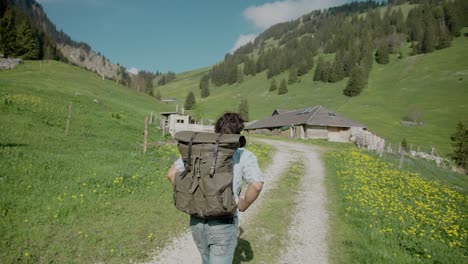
x=281 y=111
x=315 y=116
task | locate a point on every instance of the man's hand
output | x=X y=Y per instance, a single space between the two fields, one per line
x=171 y=173
x=251 y=194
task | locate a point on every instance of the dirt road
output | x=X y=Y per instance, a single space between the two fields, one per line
x=308 y=231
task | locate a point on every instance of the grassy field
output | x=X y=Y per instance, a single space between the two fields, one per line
x=91 y=196
x=380 y=214
x=432 y=85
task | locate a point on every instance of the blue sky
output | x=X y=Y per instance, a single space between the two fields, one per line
x=171 y=35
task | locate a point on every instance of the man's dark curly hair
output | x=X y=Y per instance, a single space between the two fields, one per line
x=230 y=123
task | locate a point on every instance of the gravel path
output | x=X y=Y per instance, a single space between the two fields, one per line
x=309 y=229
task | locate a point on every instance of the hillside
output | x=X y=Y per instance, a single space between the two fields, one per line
x=68 y=198
x=50 y=43
x=434 y=85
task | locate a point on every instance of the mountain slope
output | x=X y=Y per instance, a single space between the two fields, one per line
x=435 y=85
x=77 y=53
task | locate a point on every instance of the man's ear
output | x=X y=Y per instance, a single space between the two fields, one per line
x=242 y=141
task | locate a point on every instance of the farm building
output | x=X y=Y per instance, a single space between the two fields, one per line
x=310 y=123
x=168 y=100
x=172 y=122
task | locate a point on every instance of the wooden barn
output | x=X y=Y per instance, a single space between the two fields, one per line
x=310 y=123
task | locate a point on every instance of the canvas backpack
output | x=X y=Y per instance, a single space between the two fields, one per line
x=204 y=188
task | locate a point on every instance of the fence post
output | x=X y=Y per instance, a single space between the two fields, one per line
x=381 y=148
x=145 y=140
x=67 y=126
x=402 y=158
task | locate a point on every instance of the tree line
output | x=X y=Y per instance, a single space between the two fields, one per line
x=355 y=35
x=20 y=38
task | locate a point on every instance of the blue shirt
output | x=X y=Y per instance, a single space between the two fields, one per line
x=245 y=169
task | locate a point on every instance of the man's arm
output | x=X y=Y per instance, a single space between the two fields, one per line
x=251 y=194
x=171 y=173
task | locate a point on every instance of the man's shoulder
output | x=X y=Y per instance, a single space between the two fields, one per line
x=245 y=154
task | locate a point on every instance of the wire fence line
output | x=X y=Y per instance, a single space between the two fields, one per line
x=370 y=141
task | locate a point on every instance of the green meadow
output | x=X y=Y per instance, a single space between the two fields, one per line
x=432 y=86
x=92 y=195
x=89 y=196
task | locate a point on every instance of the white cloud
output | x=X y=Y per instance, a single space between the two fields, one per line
x=266 y=15
x=242 y=40
x=269 y=14
x=133 y=70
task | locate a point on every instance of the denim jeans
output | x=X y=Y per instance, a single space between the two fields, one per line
x=216 y=239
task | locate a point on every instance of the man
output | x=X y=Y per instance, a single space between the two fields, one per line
x=216 y=239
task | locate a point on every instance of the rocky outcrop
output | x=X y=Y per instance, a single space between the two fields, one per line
x=89 y=60
x=9 y=63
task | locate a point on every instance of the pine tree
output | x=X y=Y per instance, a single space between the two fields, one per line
x=382 y=55
x=244 y=109
x=273 y=85
x=428 y=42
x=318 y=70
x=355 y=83
x=189 y=101
x=31 y=46
x=337 y=69
x=292 y=76
x=325 y=72
x=232 y=73
x=205 y=92
x=453 y=20
x=8 y=32
x=444 y=38
x=240 y=75
x=283 y=89
x=460 y=146
x=158 y=95
x=3 y=7
x=205 y=86
x=250 y=67
x=204 y=80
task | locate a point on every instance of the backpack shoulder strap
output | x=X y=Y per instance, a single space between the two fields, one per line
x=215 y=156
x=188 y=163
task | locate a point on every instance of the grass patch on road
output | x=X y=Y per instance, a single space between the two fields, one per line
x=267 y=233
x=263 y=152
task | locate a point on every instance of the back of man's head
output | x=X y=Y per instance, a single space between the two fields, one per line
x=230 y=123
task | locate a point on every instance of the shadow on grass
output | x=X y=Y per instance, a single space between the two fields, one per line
x=243 y=251
x=11 y=145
